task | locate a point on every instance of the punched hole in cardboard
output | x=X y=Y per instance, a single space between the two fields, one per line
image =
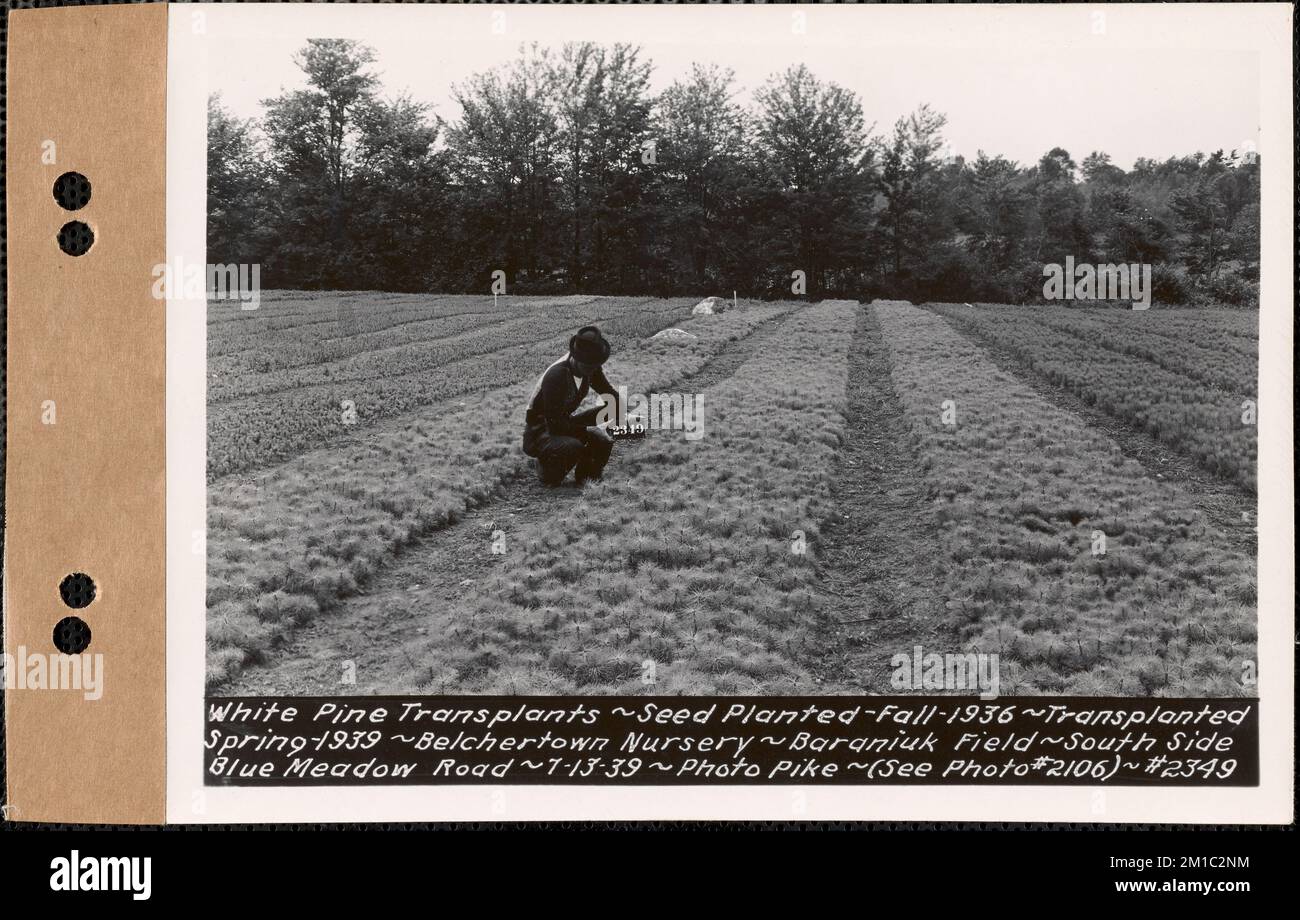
x=76 y=238
x=77 y=590
x=71 y=635
x=72 y=191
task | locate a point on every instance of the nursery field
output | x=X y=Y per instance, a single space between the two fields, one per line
x=1187 y=377
x=291 y=541
x=304 y=370
x=868 y=478
x=1085 y=573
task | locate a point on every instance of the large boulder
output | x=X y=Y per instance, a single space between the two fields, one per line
x=706 y=307
x=672 y=335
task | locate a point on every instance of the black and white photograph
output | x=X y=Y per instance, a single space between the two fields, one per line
x=668 y=362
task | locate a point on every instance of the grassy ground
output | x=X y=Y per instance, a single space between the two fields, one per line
x=691 y=569
x=1023 y=489
x=315 y=378
x=869 y=478
x=1143 y=370
x=287 y=544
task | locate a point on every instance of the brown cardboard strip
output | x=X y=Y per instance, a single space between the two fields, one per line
x=87 y=88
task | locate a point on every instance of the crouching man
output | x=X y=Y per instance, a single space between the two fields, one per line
x=555 y=433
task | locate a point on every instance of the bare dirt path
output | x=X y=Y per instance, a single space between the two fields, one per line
x=1225 y=504
x=371 y=635
x=878 y=547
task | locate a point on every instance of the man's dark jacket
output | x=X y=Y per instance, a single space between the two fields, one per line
x=552 y=405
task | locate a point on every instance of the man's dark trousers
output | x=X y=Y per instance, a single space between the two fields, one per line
x=557 y=454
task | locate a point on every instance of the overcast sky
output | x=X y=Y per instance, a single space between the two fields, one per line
x=1148 y=81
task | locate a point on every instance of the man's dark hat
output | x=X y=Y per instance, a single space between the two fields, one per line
x=589 y=346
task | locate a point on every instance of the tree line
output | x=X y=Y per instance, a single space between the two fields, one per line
x=563 y=170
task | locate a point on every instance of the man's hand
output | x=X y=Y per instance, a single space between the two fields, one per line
x=600 y=433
